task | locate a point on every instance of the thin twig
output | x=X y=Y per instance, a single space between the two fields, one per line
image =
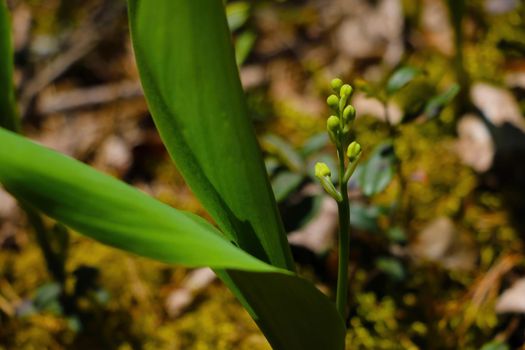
x=82 y=98
x=82 y=41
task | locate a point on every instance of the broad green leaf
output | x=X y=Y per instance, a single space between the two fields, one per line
x=8 y=114
x=292 y=314
x=190 y=78
x=291 y=311
x=112 y=212
x=400 y=78
x=436 y=104
x=378 y=170
x=187 y=66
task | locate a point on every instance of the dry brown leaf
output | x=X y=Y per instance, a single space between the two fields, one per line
x=436 y=27
x=441 y=242
x=193 y=284
x=371 y=30
x=512 y=300
x=497 y=104
x=475 y=146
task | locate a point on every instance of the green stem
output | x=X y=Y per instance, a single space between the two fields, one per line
x=54 y=259
x=393 y=133
x=344 y=239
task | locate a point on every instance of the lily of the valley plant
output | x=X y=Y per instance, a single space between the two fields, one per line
x=187 y=66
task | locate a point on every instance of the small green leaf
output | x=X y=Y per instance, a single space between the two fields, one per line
x=364 y=217
x=396 y=234
x=412 y=99
x=436 y=104
x=400 y=78
x=378 y=171
x=314 y=144
x=237 y=14
x=47 y=298
x=243 y=46
x=284 y=183
x=74 y=323
x=392 y=267
x=495 y=345
x=283 y=151
x=271 y=164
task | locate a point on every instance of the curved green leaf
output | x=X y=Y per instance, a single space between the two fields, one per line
x=187 y=67
x=400 y=78
x=291 y=311
x=112 y=212
x=243 y=46
x=8 y=114
x=436 y=104
x=188 y=71
x=379 y=169
x=284 y=151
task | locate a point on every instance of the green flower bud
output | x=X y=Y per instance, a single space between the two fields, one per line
x=333 y=102
x=349 y=114
x=333 y=123
x=346 y=90
x=354 y=151
x=336 y=84
x=333 y=126
x=322 y=170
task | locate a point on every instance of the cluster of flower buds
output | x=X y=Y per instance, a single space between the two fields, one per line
x=338 y=127
x=338 y=124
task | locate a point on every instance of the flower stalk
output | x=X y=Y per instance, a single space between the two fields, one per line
x=338 y=127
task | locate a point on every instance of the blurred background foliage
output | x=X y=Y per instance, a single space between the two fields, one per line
x=436 y=205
